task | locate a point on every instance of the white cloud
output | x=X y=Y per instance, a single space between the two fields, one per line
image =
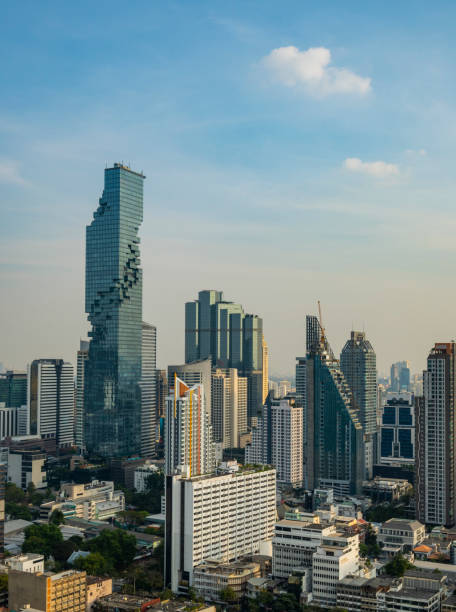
x=421 y=152
x=379 y=169
x=9 y=172
x=311 y=69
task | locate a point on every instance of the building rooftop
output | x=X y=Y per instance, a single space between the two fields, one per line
x=406 y=524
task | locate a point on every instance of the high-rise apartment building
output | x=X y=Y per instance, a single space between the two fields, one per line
x=49 y=592
x=195 y=373
x=229 y=407
x=188 y=433
x=82 y=357
x=216 y=516
x=436 y=437
x=112 y=411
x=220 y=331
x=148 y=390
x=51 y=400
x=265 y=370
x=277 y=440
x=334 y=445
x=13 y=388
x=358 y=362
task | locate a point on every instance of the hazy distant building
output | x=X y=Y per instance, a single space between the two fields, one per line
x=82 y=357
x=112 y=393
x=51 y=400
x=13 y=388
x=220 y=331
x=188 y=432
x=148 y=390
x=400 y=376
x=265 y=370
x=358 y=362
x=436 y=435
x=229 y=407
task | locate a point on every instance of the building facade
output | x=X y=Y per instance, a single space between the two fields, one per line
x=51 y=400
x=112 y=410
x=13 y=388
x=397 y=434
x=49 y=592
x=229 y=407
x=81 y=358
x=196 y=373
x=148 y=386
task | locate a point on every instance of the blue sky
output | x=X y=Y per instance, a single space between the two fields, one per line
x=260 y=162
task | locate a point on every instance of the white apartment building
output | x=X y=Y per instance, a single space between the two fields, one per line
x=229 y=407
x=28 y=562
x=336 y=558
x=219 y=517
x=294 y=544
x=141 y=475
x=401 y=533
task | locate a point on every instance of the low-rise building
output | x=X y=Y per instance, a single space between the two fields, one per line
x=401 y=534
x=97 y=587
x=386 y=489
x=120 y=602
x=61 y=592
x=27 y=562
x=27 y=466
x=211 y=577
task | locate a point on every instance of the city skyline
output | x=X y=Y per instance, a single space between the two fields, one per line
x=270 y=169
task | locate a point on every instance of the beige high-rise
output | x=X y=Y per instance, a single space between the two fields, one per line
x=229 y=407
x=265 y=370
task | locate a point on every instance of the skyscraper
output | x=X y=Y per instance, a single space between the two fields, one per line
x=436 y=439
x=198 y=372
x=220 y=331
x=334 y=446
x=82 y=357
x=13 y=388
x=400 y=376
x=265 y=370
x=188 y=432
x=229 y=407
x=114 y=306
x=148 y=390
x=358 y=362
x=51 y=400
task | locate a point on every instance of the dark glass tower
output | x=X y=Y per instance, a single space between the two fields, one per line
x=112 y=394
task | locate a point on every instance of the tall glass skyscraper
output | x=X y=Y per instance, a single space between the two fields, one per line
x=112 y=395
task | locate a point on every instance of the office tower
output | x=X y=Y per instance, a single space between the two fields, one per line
x=188 y=433
x=229 y=407
x=397 y=432
x=13 y=388
x=112 y=411
x=265 y=370
x=420 y=459
x=82 y=356
x=49 y=592
x=8 y=422
x=148 y=390
x=51 y=400
x=3 y=476
x=220 y=517
x=277 y=440
x=358 y=362
x=436 y=428
x=334 y=446
x=400 y=376
x=196 y=373
x=220 y=331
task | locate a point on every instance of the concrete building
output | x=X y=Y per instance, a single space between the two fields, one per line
x=188 y=433
x=27 y=466
x=436 y=436
x=97 y=587
x=51 y=400
x=28 y=562
x=401 y=534
x=120 y=602
x=94 y=501
x=81 y=358
x=397 y=434
x=8 y=421
x=229 y=407
x=216 y=516
x=148 y=386
x=211 y=577
x=142 y=473
x=386 y=489
x=195 y=373
x=277 y=440
x=62 y=592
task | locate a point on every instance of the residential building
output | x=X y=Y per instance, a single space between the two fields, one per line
x=265 y=369
x=13 y=388
x=112 y=394
x=334 y=445
x=220 y=331
x=358 y=363
x=8 y=421
x=141 y=475
x=51 y=400
x=3 y=472
x=277 y=440
x=436 y=494
x=162 y=392
x=97 y=587
x=49 y=592
x=211 y=577
x=188 y=433
x=195 y=373
x=94 y=501
x=27 y=562
x=82 y=356
x=401 y=534
x=216 y=516
x=397 y=434
x=27 y=466
x=386 y=489
x=148 y=390
x=229 y=407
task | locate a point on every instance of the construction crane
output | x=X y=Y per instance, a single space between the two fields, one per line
x=322 y=329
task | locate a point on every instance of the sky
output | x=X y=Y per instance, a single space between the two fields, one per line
x=294 y=151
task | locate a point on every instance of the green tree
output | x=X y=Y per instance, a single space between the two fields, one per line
x=116 y=546
x=3 y=583
x=228 y=595
x=397 y=566
x=62 y=550
x=57 y=518
x=94 y=564
x=42 y=539
x=14 y=494
x=18 y=511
